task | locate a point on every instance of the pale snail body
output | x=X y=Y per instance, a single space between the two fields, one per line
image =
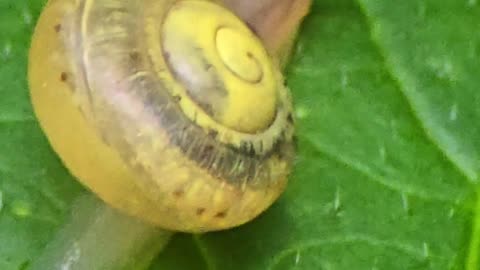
x=119 y=88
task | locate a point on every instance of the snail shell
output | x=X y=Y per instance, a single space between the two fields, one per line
x=171 y=111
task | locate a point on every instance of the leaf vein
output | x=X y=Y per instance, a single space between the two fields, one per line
x=412 y=191
x=407 y=249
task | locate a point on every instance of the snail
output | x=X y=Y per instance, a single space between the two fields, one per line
x=179 y=128
x=170 y=111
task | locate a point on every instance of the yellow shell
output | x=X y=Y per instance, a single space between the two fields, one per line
x=171 y=111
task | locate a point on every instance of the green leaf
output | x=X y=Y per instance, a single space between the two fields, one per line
x=387 y=104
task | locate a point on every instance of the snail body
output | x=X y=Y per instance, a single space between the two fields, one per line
x=188 y=128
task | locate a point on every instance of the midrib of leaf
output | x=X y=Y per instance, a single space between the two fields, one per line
x=472 y=260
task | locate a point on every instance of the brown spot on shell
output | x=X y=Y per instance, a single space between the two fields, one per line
x=221 y=214
x=177 y=98
x=63 y=76
x=200 y=211
x=178 y=193
x=57 y=27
